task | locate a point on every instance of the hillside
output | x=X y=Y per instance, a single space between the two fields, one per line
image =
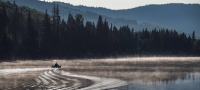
x=183 y=17
x=88 y=15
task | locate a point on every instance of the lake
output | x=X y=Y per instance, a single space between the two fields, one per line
x=191 y=81
x=137 y=73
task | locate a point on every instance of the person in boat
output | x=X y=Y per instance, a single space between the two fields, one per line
x=56 y=65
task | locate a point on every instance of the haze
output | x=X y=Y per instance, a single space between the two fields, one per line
x=123 y=4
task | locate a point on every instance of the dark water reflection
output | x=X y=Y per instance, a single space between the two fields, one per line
x=180 y=81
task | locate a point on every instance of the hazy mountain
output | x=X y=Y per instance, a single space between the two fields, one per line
x=65 y=9
x=182 y=17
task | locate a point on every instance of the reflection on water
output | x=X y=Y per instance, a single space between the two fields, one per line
x=182 y=81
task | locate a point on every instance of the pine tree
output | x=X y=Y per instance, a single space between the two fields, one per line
x=31 y=45
x=99 y=26
x=56 y=19
x=105 y=37
x=3 y=18
x=193 y=36
x=99 y=34
x=197 y=47
x=5 y=45
x=15 y=24
x=63 y=38
x=56 y=28
x=79 y=33
x=15 y=32
x=88 y=36
x=71 y=35
x=115 y=40
x=46 y=37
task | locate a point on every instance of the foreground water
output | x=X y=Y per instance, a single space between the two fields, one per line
x=148 y=73
x=189 y=82
x=52 y=77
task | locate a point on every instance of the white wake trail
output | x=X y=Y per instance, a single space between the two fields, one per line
x=99 y=83
x=43 y=80
x=75 y=86
x=38 y=81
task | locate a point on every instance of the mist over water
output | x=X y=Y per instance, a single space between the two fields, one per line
x=179 y=73
x=136 y=73
x=189 y=82
x=154 y=59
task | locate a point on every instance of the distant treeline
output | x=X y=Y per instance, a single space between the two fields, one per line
x=28 y=34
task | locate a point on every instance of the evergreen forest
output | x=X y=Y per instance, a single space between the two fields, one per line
x=26 y=33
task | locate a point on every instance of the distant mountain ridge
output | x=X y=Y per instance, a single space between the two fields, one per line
x=182 y=17
x=88 y=15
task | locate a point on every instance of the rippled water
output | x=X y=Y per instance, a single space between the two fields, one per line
x=148 y=73
x=189 y=82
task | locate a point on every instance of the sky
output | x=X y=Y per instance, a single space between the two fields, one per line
x=123 y=4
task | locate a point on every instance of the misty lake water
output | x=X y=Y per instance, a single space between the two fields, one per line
x=189 y=82
x=148 y=73
x=181 y=75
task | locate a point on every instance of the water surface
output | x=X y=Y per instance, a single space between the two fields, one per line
x=190 y=81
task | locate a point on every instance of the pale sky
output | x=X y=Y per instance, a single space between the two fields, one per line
x=123 y=4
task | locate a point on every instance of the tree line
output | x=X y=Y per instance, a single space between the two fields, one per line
x=27 y=34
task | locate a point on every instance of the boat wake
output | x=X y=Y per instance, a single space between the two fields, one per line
x=53 y=79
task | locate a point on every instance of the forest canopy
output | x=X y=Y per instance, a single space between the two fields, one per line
x=26 y=33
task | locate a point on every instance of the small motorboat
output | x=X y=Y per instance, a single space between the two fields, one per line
x=56 y=66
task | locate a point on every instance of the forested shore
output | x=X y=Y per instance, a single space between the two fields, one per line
x=26 y=33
